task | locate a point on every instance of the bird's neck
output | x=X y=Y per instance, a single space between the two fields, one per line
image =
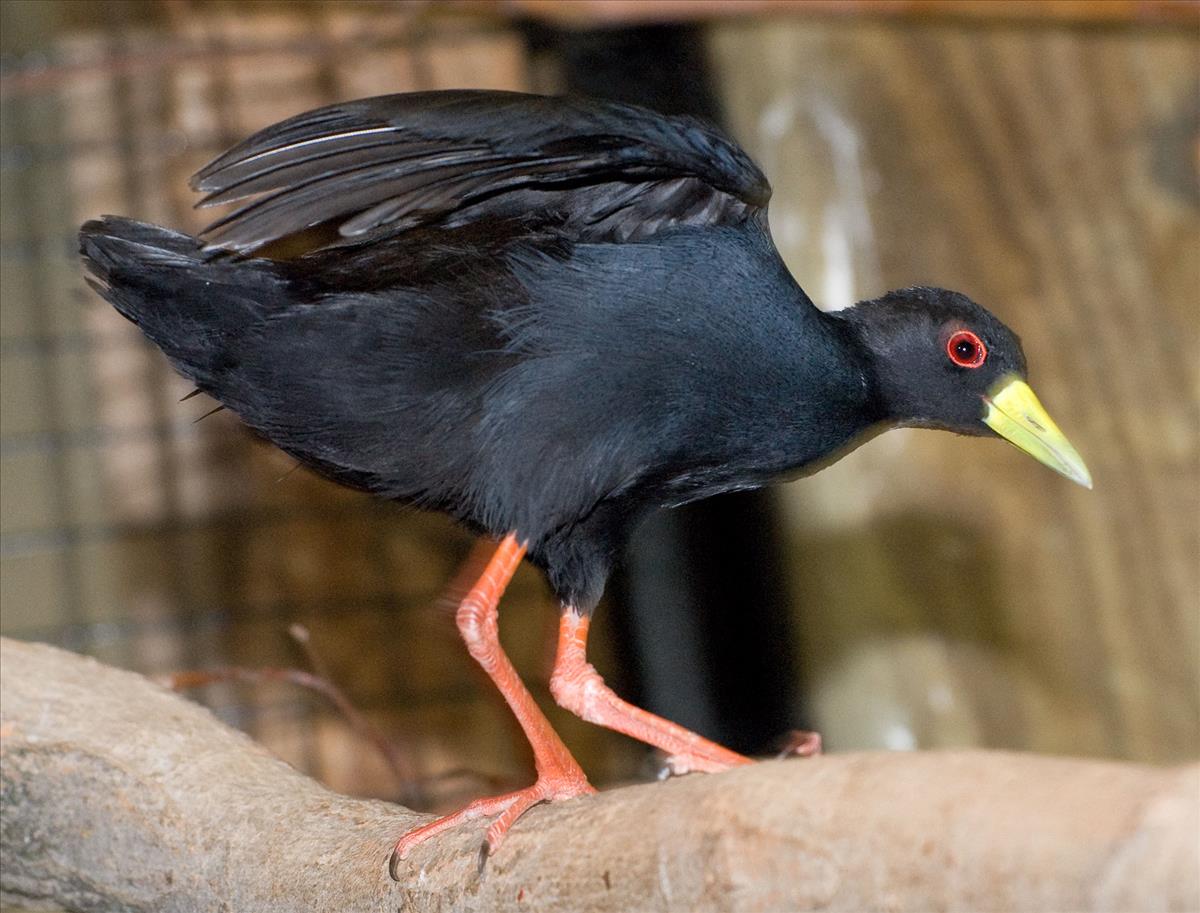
x=829 y=402
x=848 y=327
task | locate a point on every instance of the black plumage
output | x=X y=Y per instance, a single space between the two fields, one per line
x=542 y=316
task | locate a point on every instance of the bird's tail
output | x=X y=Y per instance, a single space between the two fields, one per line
x=190 y=302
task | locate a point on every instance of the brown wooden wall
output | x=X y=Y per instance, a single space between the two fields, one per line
x=952 y=591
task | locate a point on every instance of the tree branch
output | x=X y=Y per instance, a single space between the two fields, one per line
x=119 y=795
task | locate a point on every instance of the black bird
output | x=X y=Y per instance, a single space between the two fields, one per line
x=543 y=316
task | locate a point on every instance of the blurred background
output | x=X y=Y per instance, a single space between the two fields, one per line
x=925 y=592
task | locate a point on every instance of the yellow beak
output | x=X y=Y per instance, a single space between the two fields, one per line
x=1014 y=413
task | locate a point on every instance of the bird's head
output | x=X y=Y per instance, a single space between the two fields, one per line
x=941 y=361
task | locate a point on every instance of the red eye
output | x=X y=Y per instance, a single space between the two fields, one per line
x=966 y=349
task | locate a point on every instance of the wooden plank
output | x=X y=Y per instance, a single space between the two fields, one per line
x=583 y=13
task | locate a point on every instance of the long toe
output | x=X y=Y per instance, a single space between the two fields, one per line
x=480 y=808
x=687 y=762
x=506 y=809
x=799 y=743
x=498 y=829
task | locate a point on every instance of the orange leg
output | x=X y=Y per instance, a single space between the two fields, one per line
x=578 y=687
x=559 y=776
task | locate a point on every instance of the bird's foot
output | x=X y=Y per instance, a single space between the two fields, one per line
x=578 y=687
x=565 y=783
x=799 y=743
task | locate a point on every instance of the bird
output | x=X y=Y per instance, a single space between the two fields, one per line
x=544 y=316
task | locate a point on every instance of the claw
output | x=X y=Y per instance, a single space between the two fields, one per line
x=801 y=743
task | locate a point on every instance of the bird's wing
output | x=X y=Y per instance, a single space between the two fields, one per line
x=606 y=171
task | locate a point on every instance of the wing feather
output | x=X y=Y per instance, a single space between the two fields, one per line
x=601 y=170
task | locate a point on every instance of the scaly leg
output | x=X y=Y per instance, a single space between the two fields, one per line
x=578 y=687
x=559 y=776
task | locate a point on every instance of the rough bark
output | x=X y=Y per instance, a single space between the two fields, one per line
x=119 y=795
